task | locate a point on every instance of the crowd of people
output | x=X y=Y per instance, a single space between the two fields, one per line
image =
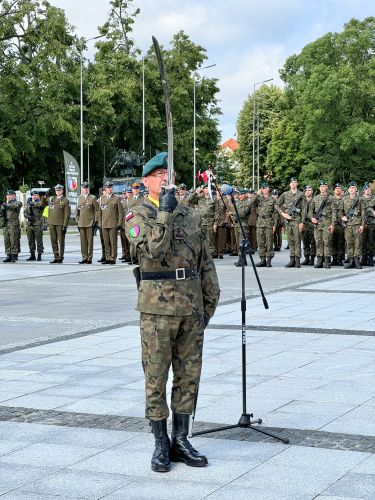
x=328 y=229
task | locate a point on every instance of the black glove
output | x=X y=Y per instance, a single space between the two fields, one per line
x=206 y=320
x=167 y=200
x=118 y=228
x=64 y=229
x=31 y=219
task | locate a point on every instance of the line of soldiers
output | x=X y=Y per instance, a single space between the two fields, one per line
x=329 y=226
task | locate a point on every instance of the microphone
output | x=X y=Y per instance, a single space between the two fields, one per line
x=226 y=189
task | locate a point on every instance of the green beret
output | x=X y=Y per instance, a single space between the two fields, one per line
x=307 y=187
x=158 y=161
x=337 y=185
x=264 y=185
x=11 y=191
x=366 y=185
x=322 y=182
x=352 y=183
x=252 y=191
x=293 y=179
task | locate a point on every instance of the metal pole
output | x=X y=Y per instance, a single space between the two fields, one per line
x=194 y=146
x=258 y=133
x=254 y=102
x=81 y=113
x=88 y=162
x=143 y=109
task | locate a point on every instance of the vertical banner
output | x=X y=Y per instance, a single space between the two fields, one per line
x=72 y=181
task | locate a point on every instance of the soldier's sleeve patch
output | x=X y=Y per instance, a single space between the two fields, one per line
x=129 y=216
x=134 y=231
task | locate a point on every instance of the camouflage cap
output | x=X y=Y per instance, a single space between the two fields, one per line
x=11 y=191
x=158 y=161
x=59 y=187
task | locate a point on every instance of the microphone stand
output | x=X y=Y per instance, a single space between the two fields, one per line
x=245 y=421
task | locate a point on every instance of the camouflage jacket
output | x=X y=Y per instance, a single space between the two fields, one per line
x=306 y=219
x=358 y=216
x=165 y=242
x=369 y=204
x=33 y=212
x=287 y=201
x=206 y=209
x=12 y=209
x=267 y=213
x=327 y=213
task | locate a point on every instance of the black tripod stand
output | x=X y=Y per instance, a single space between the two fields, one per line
x=245 y=419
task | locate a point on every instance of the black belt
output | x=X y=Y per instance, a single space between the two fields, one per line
x=179 y=274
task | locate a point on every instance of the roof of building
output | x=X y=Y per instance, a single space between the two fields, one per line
x=231 y=144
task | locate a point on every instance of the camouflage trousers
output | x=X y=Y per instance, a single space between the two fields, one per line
x=86 y=235
x=338 y=240
x=278 y=237
x=12 y=235
x=323 y=241
x=294 y=238
x=369 y=240
x=210 y=236
x=35 y=237
x=239 y=234
x=308 y=240
x=265 y=242
x=166 y=341
x=353 y=241
x=57 y=241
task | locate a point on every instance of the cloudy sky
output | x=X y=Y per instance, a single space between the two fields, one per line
x=248 y=40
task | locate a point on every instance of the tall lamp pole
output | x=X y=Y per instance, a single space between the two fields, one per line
x=254 y=106
x=196 y=75
x=81 y=97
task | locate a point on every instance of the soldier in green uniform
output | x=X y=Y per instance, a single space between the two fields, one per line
x=322 y=213
x=10 y=213
x=352 y=212
x=266 y=224
x=127 y=195
x=368 y=247
x=244 y=207
x=252 y=223
x=308 y=240
x=220 y=227
x=338 y=237
x=33 y=214
x=110 y=215
x=278 y=234
x=87 y=212
x=182 y=195
x=178 y=294
x=58 y=219
x=289 y=207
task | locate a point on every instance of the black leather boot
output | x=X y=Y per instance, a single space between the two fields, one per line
x=160 y=461
x=306 y=262
x=297 y=261
x=364 y=260
x=181 y=449
x=340 y=260
x=334 y=261
x=32 y=256
x=327 y=263
x=262 y=263
x=312 y=258
x=319 y=263
x=268 y=263
x=8 y=258
x=357 y=263
x=349 y=264
x=292 y=262
x=370 y=260
x=39 y=258
x=14 y=257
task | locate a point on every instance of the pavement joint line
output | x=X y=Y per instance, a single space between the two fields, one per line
x=295 y=329
x=68 y=336
x=297 y=437
x=317 y=290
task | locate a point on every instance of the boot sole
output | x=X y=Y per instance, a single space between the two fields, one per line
x=159 y=468
x=177 y=458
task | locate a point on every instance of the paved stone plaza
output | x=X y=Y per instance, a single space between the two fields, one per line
x=72 y=402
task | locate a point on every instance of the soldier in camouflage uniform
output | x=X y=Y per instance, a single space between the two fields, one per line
x=289 y=207
x=178 y=294
x=352 y=212
x=322 y=213
x=309 y=248
x=368 y=247
x=206 y=208
x=10 y=213
x=338 y=237
x=266 y=224
x=33 y=214
x=252 y=222
x=243 y=206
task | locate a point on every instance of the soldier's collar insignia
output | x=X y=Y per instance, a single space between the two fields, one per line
x=129 y=216
x=134 y=231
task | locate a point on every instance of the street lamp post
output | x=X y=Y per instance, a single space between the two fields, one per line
x=194 y=124
x=81 y=97
x=254 y=107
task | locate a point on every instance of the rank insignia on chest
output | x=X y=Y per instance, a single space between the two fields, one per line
x=134 y=231
x=129 y=216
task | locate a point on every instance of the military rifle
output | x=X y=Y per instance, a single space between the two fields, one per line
x=319 y=212
x=31 y=216
x=294 y=209
x=351 y=212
